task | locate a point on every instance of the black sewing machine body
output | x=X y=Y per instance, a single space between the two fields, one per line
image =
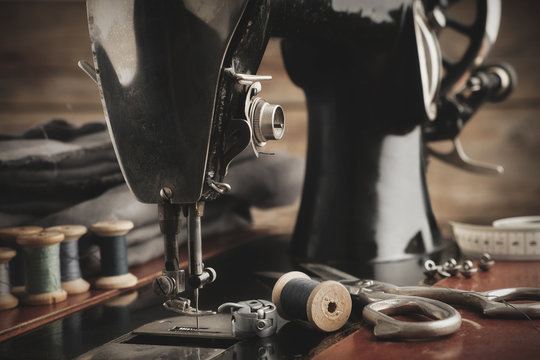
x=177 y=111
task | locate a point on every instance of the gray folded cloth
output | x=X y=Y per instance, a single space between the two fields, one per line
x=59 y=174
x=54 y=166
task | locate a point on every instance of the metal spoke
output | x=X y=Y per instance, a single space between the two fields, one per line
x=459 y=26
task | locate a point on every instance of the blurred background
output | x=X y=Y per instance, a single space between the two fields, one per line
x=41 y=42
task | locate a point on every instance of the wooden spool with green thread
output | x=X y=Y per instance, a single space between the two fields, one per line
x=8 y=237
x=42 y=268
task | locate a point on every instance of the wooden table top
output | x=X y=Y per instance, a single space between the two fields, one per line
x=478 y=338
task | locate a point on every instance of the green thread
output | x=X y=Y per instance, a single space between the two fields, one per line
x=42 y=269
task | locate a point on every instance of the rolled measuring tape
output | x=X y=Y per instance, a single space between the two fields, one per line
x=516 y=238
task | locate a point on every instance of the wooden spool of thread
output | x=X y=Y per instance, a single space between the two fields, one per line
x=16 y=265
x=111 y=239
x=325 y=305
x=42 y=268
x=70 y=268
x=7 y=301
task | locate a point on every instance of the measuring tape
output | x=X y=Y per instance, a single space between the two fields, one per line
x=516 y=238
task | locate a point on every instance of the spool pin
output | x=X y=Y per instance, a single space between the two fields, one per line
x=112 y=244
x=70 y=269
x=328 y=305
x=7 y=301
x=42 y=268
x=16 y=266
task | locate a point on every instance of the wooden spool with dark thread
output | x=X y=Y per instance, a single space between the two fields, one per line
x=324 y=305
x=7 y=300
x=16 y=265
x=111 y=239
x=42 y=268
x=70 y=269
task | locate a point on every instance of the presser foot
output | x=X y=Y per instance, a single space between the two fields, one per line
x=183 y=306
x=245 y=319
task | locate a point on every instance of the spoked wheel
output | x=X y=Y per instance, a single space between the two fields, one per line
x=481 y=34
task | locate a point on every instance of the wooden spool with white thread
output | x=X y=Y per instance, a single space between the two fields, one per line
x=42 y=268
x=111 y=238
x=70 y=270
x=16 y=266
x=7 y=300
x=326 y=305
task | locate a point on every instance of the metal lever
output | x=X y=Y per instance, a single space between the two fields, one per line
x=459 y=159
x=88 y=69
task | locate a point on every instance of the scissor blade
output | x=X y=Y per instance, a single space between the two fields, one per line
x=327 y=272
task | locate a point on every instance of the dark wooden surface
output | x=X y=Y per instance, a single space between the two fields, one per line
x=25 y=318
x=478 y=338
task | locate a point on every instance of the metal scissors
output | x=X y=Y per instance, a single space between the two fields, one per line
x=433 y=302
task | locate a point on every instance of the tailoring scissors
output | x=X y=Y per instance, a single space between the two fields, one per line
x=431 y=301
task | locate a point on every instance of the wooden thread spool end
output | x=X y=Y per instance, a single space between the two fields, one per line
x=9 y=236
x=328 y=306
x=42 y=240
x=72 y=233
x=7 y=301
x=113 y=229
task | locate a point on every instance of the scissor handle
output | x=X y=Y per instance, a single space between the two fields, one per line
x=446 y=320
x=492 y=303
x=497 y=302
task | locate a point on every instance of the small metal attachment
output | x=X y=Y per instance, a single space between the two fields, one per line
x=451 y=267
x=430 y=269
x=268 y=121
x=436 y=19
x=183 y=306
x=252 y=317
x=164 y=286
x=88 y=69
x=247 y=79
x=219 y=187
x=165 y=193
x=486 y=262
x=458 y=158
x=468 y=269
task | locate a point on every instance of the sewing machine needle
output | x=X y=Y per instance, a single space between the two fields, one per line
x=196 y=298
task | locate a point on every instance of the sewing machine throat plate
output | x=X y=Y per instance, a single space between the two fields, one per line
x=216 y=326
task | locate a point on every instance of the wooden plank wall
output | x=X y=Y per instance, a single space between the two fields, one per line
x=40 y=43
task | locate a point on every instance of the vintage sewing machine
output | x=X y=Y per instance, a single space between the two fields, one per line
x=179 y=86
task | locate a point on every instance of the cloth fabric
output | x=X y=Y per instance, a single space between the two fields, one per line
x=57 y=174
